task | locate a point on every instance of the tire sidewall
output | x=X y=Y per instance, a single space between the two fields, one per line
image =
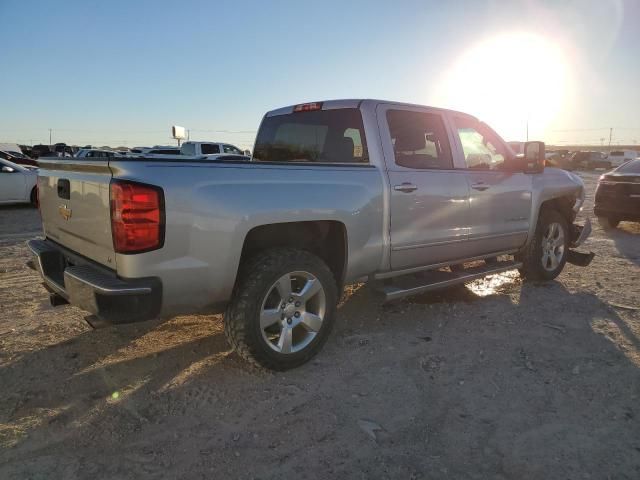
x=546 y=218
x=259 y=348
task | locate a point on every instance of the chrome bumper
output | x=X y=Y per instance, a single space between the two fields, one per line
x=94 y=288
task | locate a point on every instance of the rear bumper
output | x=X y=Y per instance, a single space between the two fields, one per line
x=94 y=288
x=610 y=211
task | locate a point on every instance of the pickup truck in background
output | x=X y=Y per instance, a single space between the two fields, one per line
x=209 y=150
x=405 y=197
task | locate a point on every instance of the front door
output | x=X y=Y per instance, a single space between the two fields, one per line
x=499 y=199
x=429 y=202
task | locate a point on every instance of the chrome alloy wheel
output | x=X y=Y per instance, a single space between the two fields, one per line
x=552 y=246
x=292 y=312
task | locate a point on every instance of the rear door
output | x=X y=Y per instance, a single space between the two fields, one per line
x=429 y=201
x=74 y=204
x=499 y=199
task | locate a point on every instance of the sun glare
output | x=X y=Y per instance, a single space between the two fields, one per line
x=507 y=81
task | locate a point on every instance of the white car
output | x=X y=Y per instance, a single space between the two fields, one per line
x=618 y=157
x=17 y=183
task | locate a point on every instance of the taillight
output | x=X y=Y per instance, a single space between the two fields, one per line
x=137 y=217
x=308 y=107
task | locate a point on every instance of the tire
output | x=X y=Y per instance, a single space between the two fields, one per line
x=289 y=340
x=608 y=223
x=34 y=197
x=537 y=261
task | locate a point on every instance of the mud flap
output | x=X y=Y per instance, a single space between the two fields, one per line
x=580 y=259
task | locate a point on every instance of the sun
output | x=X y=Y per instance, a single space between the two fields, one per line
x=508 y=81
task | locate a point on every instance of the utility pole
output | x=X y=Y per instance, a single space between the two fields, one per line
x=50 y=137
x=527 y=129
x=610 y=135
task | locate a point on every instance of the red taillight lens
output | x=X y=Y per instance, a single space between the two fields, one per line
x=137 y=217
x=307 y=107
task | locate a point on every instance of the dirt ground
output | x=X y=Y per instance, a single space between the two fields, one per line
x=497 y=379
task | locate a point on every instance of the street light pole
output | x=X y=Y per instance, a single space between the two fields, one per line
x=50 y=137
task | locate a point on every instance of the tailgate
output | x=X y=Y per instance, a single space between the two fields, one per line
x=74 y=204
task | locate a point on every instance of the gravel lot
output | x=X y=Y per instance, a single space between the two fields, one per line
x=498 y=379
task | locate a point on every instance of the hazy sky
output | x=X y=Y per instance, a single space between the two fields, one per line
x=122 y=72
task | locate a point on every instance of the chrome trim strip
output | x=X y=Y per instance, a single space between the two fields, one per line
x=109 y=291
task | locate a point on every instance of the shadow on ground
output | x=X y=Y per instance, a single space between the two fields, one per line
x=530 y=381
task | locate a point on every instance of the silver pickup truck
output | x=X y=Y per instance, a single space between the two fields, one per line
x=406 y=197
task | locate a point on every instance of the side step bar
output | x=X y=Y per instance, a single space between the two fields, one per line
x=437 y=279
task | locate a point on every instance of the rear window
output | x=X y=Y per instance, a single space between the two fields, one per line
x=322 y=136
x=630 y=167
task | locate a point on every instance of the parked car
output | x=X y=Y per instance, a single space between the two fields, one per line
x=618 y=195
x=19 y=159
x=337 y=192
x=158 y=151
x=17 y=183
x=559 y=159
x=95 y=153
x=618 y=157
x=588 y=160
x=41 y=151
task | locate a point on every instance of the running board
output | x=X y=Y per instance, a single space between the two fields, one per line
x=436 y=279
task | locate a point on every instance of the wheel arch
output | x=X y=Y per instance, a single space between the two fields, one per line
x=325 y=238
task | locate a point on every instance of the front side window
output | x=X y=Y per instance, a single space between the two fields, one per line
x=482 y=147
x=419 y=140
x=323 y=136
x=231 y=149
x=210 y=148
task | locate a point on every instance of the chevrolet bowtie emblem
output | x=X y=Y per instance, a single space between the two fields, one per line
x=64 y=211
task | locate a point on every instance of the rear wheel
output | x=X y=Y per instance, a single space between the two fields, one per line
x=283 y=308
x=608 y=223
x=546 y=255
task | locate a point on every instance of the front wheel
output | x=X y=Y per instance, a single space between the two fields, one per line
x=283 y=308
x=546 y=255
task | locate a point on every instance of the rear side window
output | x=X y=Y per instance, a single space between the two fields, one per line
x=419 y=140
x=210 y=148
x=322 y=136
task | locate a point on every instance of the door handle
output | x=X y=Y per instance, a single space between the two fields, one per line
x=406 y=187
x=480 y=186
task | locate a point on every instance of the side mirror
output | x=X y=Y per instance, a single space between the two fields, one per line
x=6 y=169
x=534 y=157
x=247 y=153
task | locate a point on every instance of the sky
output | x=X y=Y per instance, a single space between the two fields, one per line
x=123 y=72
